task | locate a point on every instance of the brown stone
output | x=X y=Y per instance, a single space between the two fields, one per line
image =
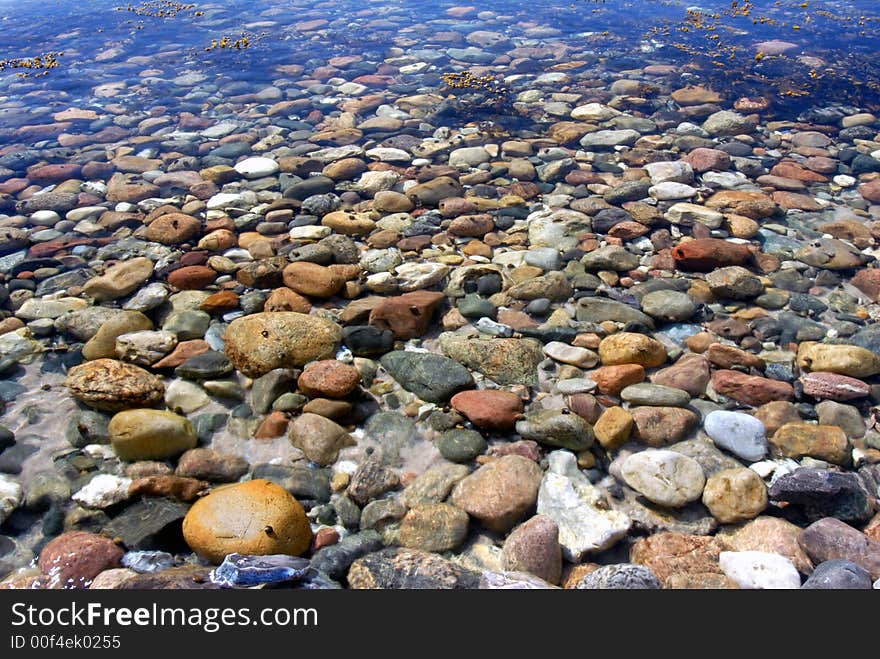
x=726 y=356
x=668 y=554
x=611 y=380
x=492 y=409
x=220 y=302
x=192 y=277
x=830 y=539
x=613 y=428
x=690 y=373
x=533 y=547
x=770 y=534
x=472 y=226
x=833 y=386
x=111 y=385
x=210 y=465
x=183 y=351
x=735 y=495
x=329 y=378
x=312 y=279
x=631 y=348
x=257 y=517
x=661 y=426
x=500 y=493
x=274 y=425
x=750 y=389
x=173 y=229
x=798 y=439
x=705 y=160
x=776 y=414
x=284 y=299
x=73 y=559
x=408 y=316
x=175 y=487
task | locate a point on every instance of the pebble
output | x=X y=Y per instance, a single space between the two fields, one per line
x=664 y=477
x=759 y=570
x=741 y=434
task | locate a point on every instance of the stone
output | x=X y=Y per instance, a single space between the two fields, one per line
x=741 y=434
x=669 y=306
x=750 y=389
x=431 y=377
x=823 y=493
x=490 y=409
x=110 y=385
x=533 y=547
x=506 y=361
x=622 y=576
x=173 y=229
x=434 y=485
x=500 y=493
x=798 y=439
x=631 y=348
x=690 y=373
x=568 y=498
x=120 y=280
x=660 y=426
x=759 y=570
x=460 y=445
x=407 y=316
x=613 y=428
x=210 y=465
x=436 y=527
x=773 y=535
x=329 y=378
x=707 y=254
x=839 y=575
x=597 y=310
x=312 y=280
x=145 y=434
x=611 y=380
x=664 y=477
x=555 y=428
x=734 y=282
x=74 y=559
x=239 y=570
x=371 y=480
x=409 y=569
x=103 y=491
x=671 y=555
x=644 y=393
x=687 y=214
x=834 y=387
x=831 y=539
x=256 y=517
x=735 y=495
x=261 y=342
x=850 y=360
x=144 y=348
x=319 y=438
x=103 y=343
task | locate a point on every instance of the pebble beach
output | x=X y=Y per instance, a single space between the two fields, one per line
x=422 y=295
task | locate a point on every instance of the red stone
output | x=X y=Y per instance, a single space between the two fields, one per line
x=192 y=277
x=871 y=191
x=324 y=537
x=788 y=169
x=328 y=378
x=750 y=389
x=611 y=380
x=795 y=201
x=220 y=302
x=407 y=316
x=54 y=173
x=274 y=425
x=706 y=254
x=183 y=351
x=492 y=409
x=706 y=160
x=868 y=282
x=73 y=559
x=173 y=228
x=832 y=386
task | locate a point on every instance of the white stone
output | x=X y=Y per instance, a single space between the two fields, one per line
x=256 y=167
x=568 y=354
x=310 y=232
x=352 y=88
x=594 y=112
x=10 y=496
x=381 y=282
x=569 y=499
x=610 y=138
x=44 y=218
x=184 y=397
x=469 y=156
x=145 y=348
x=678 y=171
x=222 y=129
x=85 y=213
x=102 y=491
x=413 y=276
x=665 y=477
x=149 y=297
x=373 y=182
x=759 y=570
x=381 y=260
x=19 y=344
x=34 y=308
x=687 y=214
x=844 y=180
x=389 y=154
x=224 y=200
x=671 y=190
x=741 y=434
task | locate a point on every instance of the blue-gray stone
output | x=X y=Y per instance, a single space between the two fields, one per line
x=839 y=575
x=741 y=434
x=146 y=562
x=242 y=570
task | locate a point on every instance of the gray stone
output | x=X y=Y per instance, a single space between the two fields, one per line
x=644 y=393
x=839 y=575
x=741 y=434
x=555 y=428
x=335 y=560
x=623 y=576
x=431 y=377
x=460 y=444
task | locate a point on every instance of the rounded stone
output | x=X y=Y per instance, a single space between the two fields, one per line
x=759 y=570
x=436 y=527
x=735 y=495
x=111 y=385
x=145 y=434
x=460 y=444
x=492 y=409
x=120 y=279
x=839 y=575
x=257 y=518
x=261 y=342
x=329 y=378
x=74 y=559
x=741 y=434
x=631 y=348
x=664 y=477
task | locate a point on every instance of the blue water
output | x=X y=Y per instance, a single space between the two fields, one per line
x=832 y=59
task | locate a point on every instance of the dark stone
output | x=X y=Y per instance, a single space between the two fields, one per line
x=460 y=445
x=12 y=459
x=823 y=493
x=152 y=523
x=624 y=576
x=474 y=306
x=335 y=560
x=207 y=366
x=367 y=340
x=314 y=185
x=839 y=575
x=371 y=480
x=431 y=377
x=409 y=569
x=268 y=387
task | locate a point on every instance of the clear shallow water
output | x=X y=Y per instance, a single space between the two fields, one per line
x=173 y=54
